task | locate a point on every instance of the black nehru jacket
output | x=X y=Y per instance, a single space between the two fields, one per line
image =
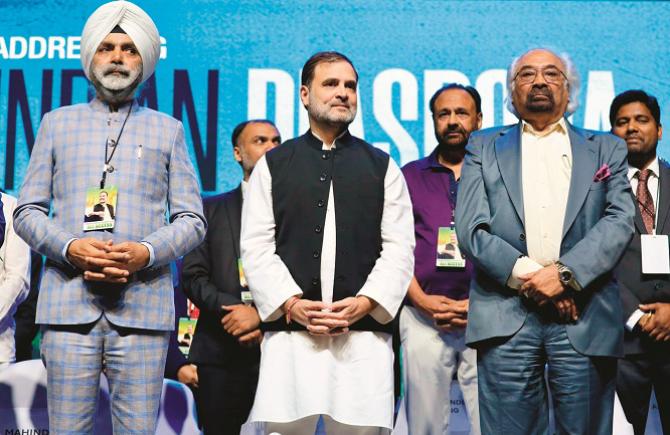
x=301 y=174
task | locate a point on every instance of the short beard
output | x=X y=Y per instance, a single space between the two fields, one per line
x=115 y=90
x=641 y=160
x=321 y=114
x=443 y=142
x=540 y=106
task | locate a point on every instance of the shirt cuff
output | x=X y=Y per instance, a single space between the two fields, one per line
x=64 y=253
x=279 y=312
x=633 y=319
x=152 y=256
x=379 y=313
x=523 y=266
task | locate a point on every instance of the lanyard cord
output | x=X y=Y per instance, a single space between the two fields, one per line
x=107 y=168
x=447 y=187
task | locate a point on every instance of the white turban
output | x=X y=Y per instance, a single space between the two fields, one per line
x=134 y=21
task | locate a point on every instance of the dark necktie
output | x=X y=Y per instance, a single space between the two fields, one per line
x=644 y=200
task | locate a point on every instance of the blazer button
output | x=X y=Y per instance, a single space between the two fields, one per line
x=317 y=229
x=522 y=237
x=315 y=254
x=320 y=203
x=658 y=286
x=323 y=177
x=315 y=281
x=325 y=156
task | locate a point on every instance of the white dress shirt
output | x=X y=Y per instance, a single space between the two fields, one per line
x=546 y=169
x=653 y=186
x=348 y=377
x=14 y=279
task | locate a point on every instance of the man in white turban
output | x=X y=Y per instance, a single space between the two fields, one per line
x=105 y=300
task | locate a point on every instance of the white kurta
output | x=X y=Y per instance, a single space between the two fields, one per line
x=348 y=377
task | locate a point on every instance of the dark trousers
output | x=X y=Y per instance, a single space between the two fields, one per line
x=513 y=393
x=636 y=376
x=225 y=397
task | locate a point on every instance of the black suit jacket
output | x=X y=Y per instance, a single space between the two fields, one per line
x=636 y=288
x=210 y=278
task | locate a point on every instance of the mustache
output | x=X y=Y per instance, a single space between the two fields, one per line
x=111 y=69
x=453 y=129
x=540 y=90
x=340 y=104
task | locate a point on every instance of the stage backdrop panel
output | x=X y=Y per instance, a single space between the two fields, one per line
x=225 y=62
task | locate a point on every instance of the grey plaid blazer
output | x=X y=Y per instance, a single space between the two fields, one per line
x=158 y=203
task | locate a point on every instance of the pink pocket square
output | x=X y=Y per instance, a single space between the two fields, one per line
x=602 y=174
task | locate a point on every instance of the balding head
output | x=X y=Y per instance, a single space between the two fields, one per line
x=542 y=82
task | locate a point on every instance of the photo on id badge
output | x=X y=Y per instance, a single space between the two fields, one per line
x=448 y=252
x=100 y=209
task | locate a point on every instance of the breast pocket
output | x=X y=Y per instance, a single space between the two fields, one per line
x=149 y=167
x=141 y=172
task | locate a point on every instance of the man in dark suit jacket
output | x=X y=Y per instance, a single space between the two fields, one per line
x=225 y=344
x=635 y=117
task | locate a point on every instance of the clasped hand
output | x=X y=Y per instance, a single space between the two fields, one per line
x=242 y=322
x=321 y=318
x=545 y=286
x=106 y=261
x=447 y=314
x=656 y=321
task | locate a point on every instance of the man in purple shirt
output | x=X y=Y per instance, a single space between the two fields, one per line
x=432 y=324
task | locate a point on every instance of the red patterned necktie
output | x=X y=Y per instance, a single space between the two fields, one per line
x=644 y=200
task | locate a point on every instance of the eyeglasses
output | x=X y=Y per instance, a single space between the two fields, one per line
x=551 y=75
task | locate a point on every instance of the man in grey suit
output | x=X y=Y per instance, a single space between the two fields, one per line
x=105 y=301
x=544 y=212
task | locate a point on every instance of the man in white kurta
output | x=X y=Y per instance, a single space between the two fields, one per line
x=331 y=369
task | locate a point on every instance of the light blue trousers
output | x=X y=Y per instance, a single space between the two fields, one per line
x=513 y=393
x=133 y=360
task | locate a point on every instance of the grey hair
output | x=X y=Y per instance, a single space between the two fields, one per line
x=573 y=83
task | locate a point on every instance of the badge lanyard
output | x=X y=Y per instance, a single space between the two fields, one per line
x=654 y=248
x=109 y=168
x=452 y=203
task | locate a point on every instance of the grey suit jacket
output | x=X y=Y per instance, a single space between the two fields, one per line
x=158 y=203
x=597 y=227
x=637 y=288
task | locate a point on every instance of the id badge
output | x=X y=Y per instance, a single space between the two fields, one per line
x=247 y=298
x=100 y=212
x=240 y=271
x=185 y=332
x=448 y=253
x=655 y=254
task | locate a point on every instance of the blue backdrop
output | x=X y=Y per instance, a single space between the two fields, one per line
x=224 y=62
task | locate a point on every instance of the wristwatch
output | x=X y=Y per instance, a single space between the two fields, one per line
x=567 y=277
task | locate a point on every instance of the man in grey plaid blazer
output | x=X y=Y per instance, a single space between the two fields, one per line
x=105 y=300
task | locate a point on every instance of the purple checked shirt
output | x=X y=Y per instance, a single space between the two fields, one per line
x=433 y=190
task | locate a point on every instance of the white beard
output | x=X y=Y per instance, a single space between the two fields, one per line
x=116 y=82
